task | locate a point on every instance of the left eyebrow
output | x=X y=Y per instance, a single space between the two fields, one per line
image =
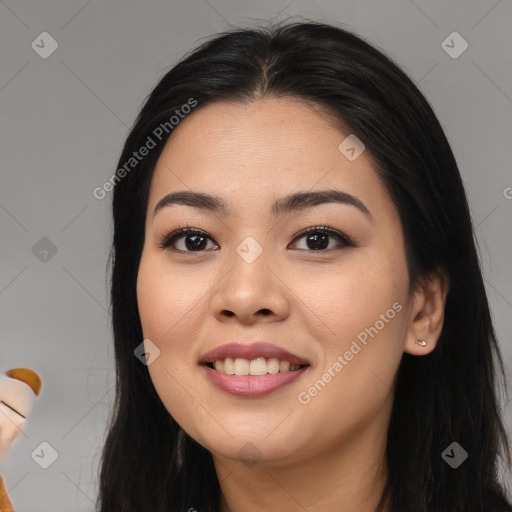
x=285 y=205
x=12 y=409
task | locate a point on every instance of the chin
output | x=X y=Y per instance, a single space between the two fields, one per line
x=253 y=449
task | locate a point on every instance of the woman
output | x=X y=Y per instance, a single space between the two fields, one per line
x=295 y=269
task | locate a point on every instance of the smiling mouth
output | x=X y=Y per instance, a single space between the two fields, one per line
x=254 y=367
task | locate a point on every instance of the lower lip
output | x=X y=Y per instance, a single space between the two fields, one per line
x=251 y=385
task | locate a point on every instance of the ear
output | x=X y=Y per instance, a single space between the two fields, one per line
x=426 y=315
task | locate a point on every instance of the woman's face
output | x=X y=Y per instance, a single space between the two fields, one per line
x=341 y=309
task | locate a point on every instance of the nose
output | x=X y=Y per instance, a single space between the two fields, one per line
x=251 y=292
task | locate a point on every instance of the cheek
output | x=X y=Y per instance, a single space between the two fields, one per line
x=170 y=310
x=149 y=296
x=164 y=297
x=357 y=312
x=351 y=297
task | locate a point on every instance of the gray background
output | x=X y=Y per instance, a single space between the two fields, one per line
x=64 y=120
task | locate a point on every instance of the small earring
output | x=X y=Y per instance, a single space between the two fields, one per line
x=423 y=343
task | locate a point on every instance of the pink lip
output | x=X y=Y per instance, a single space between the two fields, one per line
x=252 y=351
x=251 y=385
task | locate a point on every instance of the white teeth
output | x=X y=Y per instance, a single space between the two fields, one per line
x=241 y=366
x=284 y=366
x=229 y=366
x=273 y=365
x=258 y=366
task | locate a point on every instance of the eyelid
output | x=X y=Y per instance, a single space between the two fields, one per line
x=168 y=239
x=348 y=241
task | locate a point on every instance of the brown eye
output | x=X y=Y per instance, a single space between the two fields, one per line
x=317 y=238
x=195 y=240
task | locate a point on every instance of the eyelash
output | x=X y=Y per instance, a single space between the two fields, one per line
x=168 y=239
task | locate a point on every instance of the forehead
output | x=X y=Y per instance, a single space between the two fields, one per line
x=256 y=148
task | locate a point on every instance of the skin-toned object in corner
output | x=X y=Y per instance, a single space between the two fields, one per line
x=19 y=388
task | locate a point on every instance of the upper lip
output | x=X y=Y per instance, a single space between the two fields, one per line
x=251 y=351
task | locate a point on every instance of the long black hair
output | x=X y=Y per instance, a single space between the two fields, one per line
x=450 y=395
